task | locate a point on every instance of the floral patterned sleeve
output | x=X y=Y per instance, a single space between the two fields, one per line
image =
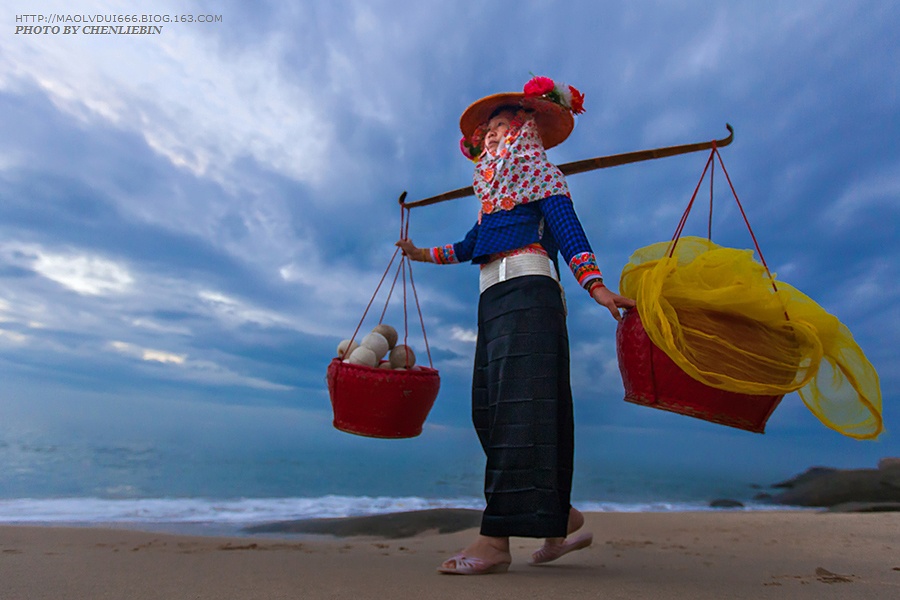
x=559 y=214
x=458 y=252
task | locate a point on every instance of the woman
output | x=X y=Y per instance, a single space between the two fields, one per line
x=521 y=397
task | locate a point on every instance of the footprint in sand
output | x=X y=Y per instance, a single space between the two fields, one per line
x=826 y=576
x=228 y=546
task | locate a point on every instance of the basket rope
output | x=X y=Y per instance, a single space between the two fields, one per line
x=711 y=166
x=403 y=270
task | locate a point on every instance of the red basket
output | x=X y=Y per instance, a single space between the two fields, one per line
x=653 y=379
x=381 y=403
x=385 y=403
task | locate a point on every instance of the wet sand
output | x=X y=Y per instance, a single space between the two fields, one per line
x=725 y=554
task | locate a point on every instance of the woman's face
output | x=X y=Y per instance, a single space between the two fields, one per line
x=496 y=130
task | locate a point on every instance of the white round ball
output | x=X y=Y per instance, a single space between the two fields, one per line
x=385 y=364
x=345 y=348
x=389 y=333
x=363 y=356
x=402 y=356
x=377 y=344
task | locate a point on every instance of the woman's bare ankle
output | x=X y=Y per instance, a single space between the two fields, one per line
x=576 y=521
x=554 y=541
x=488 y=547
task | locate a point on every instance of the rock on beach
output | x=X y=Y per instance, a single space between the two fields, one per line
x=828 y=487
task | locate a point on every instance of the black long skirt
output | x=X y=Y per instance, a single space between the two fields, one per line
x=522 y=408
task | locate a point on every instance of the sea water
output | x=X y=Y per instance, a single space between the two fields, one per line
x=221 y=488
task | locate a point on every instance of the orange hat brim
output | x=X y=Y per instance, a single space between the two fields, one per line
x=554 y=122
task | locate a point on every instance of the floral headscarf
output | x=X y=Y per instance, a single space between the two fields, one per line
x=518 y=172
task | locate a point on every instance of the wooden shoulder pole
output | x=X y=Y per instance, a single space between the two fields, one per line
x=590 y=164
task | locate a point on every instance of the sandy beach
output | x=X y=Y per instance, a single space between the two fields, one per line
x=727 y=554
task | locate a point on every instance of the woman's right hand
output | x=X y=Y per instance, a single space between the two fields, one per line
x=406 y=245
x=410 y=249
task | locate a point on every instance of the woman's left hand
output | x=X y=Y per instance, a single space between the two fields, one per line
x=611 y=300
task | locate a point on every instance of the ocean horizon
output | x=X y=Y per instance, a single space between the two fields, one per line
x=221 y=489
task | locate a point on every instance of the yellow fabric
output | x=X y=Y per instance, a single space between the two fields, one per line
x=714 y=311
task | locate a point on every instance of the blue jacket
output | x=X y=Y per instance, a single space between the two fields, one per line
x=551 y=221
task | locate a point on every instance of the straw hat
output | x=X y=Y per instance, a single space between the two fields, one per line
x=552 y=104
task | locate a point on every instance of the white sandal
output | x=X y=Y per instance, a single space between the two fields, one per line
x=550 y=552
x=469 y=565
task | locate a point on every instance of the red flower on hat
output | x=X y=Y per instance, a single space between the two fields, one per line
x=470 y=150
x=564 y=95
x=463 y=147
x=538 y=86
x=577 y=100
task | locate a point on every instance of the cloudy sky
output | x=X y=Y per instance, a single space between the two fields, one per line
x=191 y=221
